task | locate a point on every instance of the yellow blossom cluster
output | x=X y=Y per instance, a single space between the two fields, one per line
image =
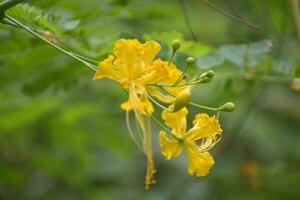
x=149 y=80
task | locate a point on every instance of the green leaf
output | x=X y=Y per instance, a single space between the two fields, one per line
x=57 y=22
x=247 y=54
x=235 y=53
x=264 y=46
x=210 y=60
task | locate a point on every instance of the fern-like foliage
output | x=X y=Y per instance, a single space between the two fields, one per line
x=43 y=20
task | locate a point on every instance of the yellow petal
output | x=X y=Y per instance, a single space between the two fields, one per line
x=176 y=120
x=133 y=57
x=169 y=147
x=146 y=104
x=199 y=164
x=126 y=106
x=163 y=72
x=167 y=73
x=165 y=98
x=208 y=127
x=106 y=69
x=127 y=53
x=138 y=102
x=149 y=50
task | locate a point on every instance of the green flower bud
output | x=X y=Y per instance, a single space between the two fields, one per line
x=176 y=45
x=228 y=107
x=210 y=73
x=190 y=60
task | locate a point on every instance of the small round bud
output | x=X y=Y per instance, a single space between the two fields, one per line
x=176 y=45
x=210 y=74
x=206 y=77
x=228 y=107
x=190 y=60
x=182 y=99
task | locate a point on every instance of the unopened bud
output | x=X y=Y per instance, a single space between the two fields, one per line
x=208 y=74
x=228 y=107
x=190 y=60
x=206 y=77
x=176 y=45
x=182 y=99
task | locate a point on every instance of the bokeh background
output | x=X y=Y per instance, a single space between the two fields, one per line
x=63 y=136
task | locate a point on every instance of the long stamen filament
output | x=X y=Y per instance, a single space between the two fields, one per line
x=160 y=124
x=131 y=132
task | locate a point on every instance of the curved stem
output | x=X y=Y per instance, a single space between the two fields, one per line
x=204 y=107
x=29 y=30
x=158 y=104
x=213 y=6
x=85 y=58
x=187 y=19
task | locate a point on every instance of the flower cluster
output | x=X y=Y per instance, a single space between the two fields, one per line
x=150 y=81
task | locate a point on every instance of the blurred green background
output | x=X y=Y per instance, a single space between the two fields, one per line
x=63 y=136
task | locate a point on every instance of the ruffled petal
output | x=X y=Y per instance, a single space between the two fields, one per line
x=169 y=147
x=176 y=120
x=149 y=50
x=127 y=54
x=199 y=164
x=106 y=69
x=209 y=127
x=162 y=72
x=133 y=57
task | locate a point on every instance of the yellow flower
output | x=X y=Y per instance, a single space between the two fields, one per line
x=133 y=66
x=197 y=141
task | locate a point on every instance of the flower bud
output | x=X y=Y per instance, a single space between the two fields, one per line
x=208 y=74
x=176 y=45
x=190 y=60
x=182 y=99
x=206 y=77
x=228 y=107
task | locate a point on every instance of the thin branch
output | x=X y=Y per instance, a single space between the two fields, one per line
x=213 y=6
x=15 y=22
x=187 y=19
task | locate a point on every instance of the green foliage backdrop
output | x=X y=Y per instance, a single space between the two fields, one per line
x=63 y=136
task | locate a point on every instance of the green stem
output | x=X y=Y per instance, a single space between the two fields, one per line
x=160 y=124
x=181 y=75
x=204 y=107
x=85 y=58
x=174 y=85
x=158 y=104
x=29 y=30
